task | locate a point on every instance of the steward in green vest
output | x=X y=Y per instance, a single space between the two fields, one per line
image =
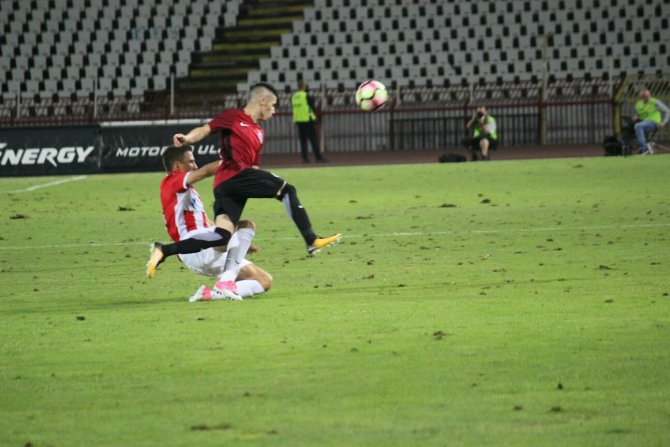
x=652 y=114
x=303 y=111
x=647 y=110
x=304 y=117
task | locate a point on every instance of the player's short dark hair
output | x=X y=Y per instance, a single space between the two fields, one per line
x=256 y=89
x=174 y=154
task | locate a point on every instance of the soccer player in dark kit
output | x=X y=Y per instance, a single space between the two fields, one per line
x=239 y=176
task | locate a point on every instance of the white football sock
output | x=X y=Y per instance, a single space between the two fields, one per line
x=229 y=272
x=249 y=287
x=237 y=249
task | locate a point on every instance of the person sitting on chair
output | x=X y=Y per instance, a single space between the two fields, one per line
x=484 y=134
x=648 y=119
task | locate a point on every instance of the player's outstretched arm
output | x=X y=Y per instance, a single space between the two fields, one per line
x=206 y=171
x=192 y=137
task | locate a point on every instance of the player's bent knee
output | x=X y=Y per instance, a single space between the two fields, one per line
x=251 y=271
x=223 y=221
x=265 y=280
x=287 y=189
x=247 y=224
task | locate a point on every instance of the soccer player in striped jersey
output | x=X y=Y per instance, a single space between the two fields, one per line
x=197 y=241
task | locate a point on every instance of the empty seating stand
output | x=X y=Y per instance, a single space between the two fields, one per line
x=433 y=41
x=118 y=48
x=63 y=47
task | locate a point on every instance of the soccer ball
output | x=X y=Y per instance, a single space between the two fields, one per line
x=371 y=96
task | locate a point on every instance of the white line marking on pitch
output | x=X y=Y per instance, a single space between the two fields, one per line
x=47 y=185
x=356 y=236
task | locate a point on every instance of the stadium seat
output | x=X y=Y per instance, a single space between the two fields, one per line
x=17 y=74
x=141 y=85
x=110 y=71
x=13 y=87
x=105 y=85
x=127 y=70
x=134 y=46
x=86 y=86
x=67 y=88
x=181 y=69
x=159 y=83
x=122 y=86
x=146 y=70
x=163 y=69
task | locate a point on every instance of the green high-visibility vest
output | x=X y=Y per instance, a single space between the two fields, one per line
x=489 y=119
x=648 y=111
x=302 y=112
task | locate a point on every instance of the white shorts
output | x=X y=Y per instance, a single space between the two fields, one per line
x=208 y=262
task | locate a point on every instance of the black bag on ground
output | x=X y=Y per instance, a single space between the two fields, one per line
x=612 y=146
x=451 y=158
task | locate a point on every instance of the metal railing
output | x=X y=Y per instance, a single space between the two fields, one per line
x=560 y=111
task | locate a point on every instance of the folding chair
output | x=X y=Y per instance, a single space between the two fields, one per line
x=653 y=146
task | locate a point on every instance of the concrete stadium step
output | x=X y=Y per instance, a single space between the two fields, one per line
x=222 y=72
x=269 y=11
x=255 y=35
x=217 y=59
x=237 y=50
x=214 y=87
x=267 y=23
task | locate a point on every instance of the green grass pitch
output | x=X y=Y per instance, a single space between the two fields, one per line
x=521 y=303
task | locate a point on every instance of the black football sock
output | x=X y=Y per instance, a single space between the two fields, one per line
x=297 y=212
x=218 y=238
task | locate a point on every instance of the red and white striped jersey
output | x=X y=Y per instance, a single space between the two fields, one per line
x=182 y=208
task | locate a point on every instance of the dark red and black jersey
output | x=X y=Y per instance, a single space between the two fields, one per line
x=241 y=143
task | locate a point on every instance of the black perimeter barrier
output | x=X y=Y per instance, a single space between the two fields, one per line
x=92 y=149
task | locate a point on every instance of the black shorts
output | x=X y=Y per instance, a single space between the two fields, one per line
x=493 y=144
x=231 y=195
